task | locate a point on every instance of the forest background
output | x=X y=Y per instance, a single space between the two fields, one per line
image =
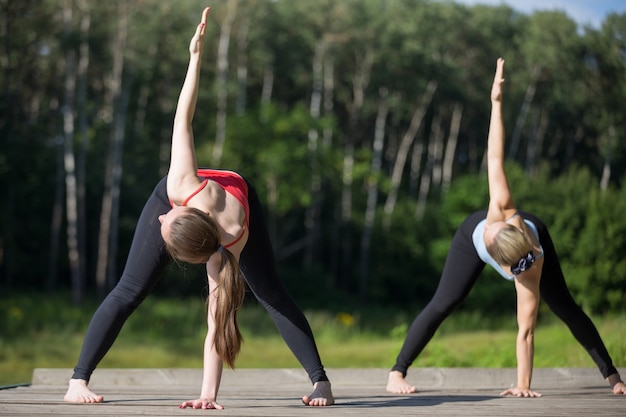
x=361 y=123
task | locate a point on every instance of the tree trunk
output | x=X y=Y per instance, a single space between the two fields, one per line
x=57 y=219
x=116 y=177
x=268 y=84
x=83 y=131
x=329 y=95
x=572 y=143
x=403 y=150
x=372 y=194
x=9 y=122
x=430 y=169
x=108 y=216
x=69 y=162
x=271 y=186
x=143 y=96
x=521 y=117
x=448 y=159
x=606 y=170
x=327 y=141
x=437 y=168
x=360 y=80
x=535 y=146
x=221 y=82
x=312 y=215
x=242 y=67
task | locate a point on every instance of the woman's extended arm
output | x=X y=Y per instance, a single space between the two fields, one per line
x=501 y=205
x=527 y=289
x=212 y=374
x=183 y=164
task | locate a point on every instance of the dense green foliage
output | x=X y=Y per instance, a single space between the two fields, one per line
x=312 y=166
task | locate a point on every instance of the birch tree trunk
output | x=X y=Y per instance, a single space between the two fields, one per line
x=448 y=159
x=360 y=80
x=118 y=143
x=415 y=168
x=268 y=84
x=535 y=146
x=242 y=67
x=403 y=150
x=327 y=141
x=83 y=132
x=221 y=82
x=312 y=215
x=57 y=218
x=521 y=117
x=372 y=193
x=113 y=170
x=437 y=167
x=271 y=185
x=430 y=174
x=329 y=96
x=69 y=162
x=606 y=170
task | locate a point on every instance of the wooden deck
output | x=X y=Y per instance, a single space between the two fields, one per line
x=359 y=392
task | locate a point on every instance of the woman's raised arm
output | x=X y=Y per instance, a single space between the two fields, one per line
x=501 y=205
x=183 y=164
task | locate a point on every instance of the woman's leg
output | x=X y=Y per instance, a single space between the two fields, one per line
x=146 y=262
x=557 y=296
x=460 y=272
x=259 y=268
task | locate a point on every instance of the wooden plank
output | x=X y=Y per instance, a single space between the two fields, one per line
x=359 y=392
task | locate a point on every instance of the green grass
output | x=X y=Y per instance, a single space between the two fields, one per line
x=47 y=332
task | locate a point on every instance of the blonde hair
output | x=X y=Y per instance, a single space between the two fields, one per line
x=194 y=238
x=509 y=245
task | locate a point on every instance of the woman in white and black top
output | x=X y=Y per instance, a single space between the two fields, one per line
x=517 y=244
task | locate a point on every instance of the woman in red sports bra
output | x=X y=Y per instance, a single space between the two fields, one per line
x=211 y=217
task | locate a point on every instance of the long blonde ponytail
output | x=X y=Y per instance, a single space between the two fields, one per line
x=230 y=296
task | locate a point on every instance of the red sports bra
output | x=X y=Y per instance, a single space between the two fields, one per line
x=233 y=184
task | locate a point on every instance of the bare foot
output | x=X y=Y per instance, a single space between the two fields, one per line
x=78 y=392
x=321 y=396
x=396 y=384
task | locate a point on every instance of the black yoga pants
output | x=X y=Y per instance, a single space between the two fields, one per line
x=460 y=272
x=146 y=263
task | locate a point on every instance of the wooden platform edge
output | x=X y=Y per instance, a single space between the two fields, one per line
x=420 y=377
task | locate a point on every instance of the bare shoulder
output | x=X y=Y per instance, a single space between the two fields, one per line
x=496 y=213
x=179 y=188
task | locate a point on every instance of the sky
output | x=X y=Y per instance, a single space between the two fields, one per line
x=584 y=12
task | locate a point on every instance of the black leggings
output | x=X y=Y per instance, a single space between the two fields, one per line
x=460 y=272
x=146 y=264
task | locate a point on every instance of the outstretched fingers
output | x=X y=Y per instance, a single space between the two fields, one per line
x=205 y=15
x=520 y=392
x=498 y=80
x=202 y=404
x=195 y=45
